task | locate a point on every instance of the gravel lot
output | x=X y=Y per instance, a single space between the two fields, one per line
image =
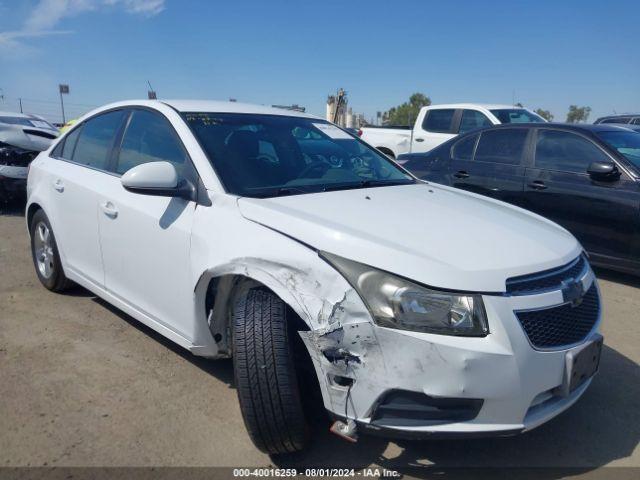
x=86 y=385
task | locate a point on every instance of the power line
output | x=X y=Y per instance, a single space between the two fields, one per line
x=56 y=102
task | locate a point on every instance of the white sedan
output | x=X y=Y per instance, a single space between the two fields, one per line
x=278 y=239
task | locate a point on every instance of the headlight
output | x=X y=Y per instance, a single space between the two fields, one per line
x=398 y=303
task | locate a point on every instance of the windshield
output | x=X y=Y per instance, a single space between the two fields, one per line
x=27 y=122
x=516 y=115
x=271 y=155
x=627 y=143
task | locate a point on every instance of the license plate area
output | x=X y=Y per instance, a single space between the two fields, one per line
x=581 y=365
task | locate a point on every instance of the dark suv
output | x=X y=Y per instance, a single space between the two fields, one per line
x=584 y=177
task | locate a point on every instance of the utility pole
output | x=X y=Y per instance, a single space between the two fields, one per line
x=20 y=100
x=63 y=89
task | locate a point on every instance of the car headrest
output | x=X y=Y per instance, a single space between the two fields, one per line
x=243 y=143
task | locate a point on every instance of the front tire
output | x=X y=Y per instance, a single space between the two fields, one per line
x=46 y=258
x=265 y=375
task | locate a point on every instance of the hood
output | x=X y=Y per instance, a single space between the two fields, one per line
x=435 y=235
x=26 y=138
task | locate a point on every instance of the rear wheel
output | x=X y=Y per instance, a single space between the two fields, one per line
x=265 y=375
x=46 y=257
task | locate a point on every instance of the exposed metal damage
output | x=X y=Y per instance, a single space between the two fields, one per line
x=340 y=340
x=19 y=145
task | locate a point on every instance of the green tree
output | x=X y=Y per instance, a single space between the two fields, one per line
x=407 y=113
x=578 y=114
x=546 y=114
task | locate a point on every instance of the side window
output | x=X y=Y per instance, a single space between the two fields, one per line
x=463 y=150
x=566 y=151
x=636 y=121
x=149 y=138
x=503 y=145
x=96 y=139
x=70 y=144
x=472 y=119
x=617 y=120
x=438 y=120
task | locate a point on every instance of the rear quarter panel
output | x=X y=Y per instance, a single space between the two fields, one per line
x=397 y=141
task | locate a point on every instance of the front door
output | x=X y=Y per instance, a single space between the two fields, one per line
x=146 y=239
x=602 y=215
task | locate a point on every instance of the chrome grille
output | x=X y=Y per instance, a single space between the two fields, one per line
x=547 y=280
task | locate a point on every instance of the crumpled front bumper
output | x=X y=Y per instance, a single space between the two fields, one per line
x=516 y=384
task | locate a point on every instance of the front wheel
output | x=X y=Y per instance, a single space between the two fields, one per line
x=46 y=257
x=265 y=375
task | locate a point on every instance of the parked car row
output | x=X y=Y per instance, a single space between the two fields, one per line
x=438 y=123
x=584 y=177
x=278 y=239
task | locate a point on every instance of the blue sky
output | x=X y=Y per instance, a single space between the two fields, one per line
x=550 y=53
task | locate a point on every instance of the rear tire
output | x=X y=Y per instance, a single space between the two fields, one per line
x=46 y=258
x=265 y=375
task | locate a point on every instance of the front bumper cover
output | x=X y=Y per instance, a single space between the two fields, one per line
x=517 y=384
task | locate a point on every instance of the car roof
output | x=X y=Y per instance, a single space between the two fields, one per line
x=18 y=115
x=488 y=106
x=185 y=106
x=590 y=127
x=620 y=115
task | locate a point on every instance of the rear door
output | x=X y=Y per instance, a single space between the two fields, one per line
x=496 y=168
x=603 y=215
x=436 y=127
x=75 y=182
x=146 y=239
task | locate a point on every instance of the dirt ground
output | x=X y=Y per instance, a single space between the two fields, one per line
x=83 y=384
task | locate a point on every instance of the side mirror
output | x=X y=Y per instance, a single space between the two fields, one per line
x=156 y=178
x=603 y=170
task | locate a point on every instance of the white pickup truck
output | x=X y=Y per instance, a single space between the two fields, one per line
x=438 y=123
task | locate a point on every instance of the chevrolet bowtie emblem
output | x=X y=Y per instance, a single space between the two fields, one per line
x=572 y=291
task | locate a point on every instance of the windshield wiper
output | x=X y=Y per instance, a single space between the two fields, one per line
x=377 y=183
x=366 y=184
x=282 y=191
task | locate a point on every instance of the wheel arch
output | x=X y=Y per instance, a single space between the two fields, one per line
x=31 y=211
x=387 y=151
x=218 y=289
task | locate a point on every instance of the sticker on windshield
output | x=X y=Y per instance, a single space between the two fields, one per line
x=332 y=131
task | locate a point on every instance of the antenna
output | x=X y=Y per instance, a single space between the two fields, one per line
x=151 y=94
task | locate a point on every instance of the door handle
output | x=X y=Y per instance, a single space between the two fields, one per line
x=461 y=174
x=109 y=209
x=537 y=185
x=58 y=185
x=419 y=139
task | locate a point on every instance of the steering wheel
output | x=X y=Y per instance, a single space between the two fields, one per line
x=317 y=165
